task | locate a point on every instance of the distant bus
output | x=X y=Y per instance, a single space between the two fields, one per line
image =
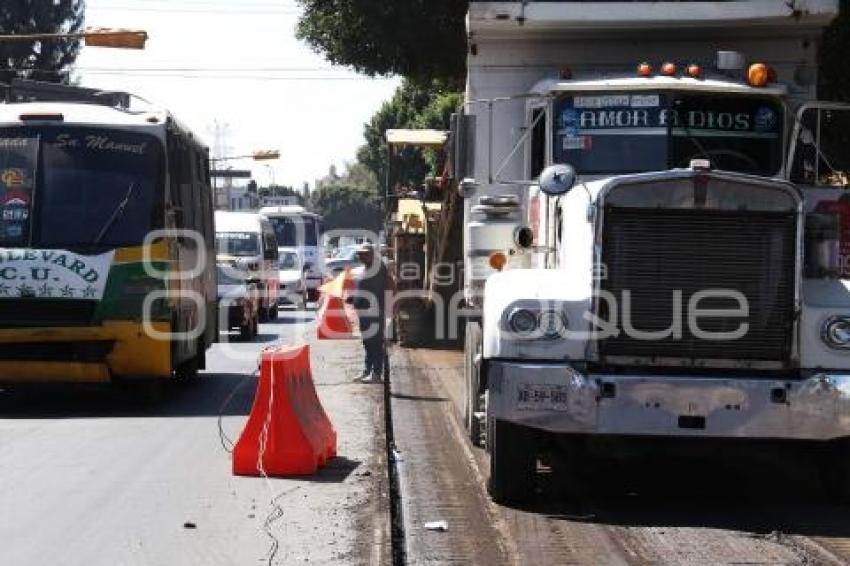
x=298 y=230
x=100 y=209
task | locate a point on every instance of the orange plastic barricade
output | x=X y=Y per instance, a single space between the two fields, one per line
x=287 y=422
x=335 y=317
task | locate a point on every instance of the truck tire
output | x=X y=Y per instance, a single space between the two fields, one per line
x=513 y=462
x=472 y=380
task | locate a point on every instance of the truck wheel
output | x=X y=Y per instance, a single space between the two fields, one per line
x=472 y=381
x=513 y=462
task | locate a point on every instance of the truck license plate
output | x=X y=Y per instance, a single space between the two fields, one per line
x=541 y=397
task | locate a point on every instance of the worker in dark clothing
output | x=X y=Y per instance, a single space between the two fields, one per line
x=374 y=287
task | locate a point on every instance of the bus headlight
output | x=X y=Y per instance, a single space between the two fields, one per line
x=836 y=332
x=523 y=322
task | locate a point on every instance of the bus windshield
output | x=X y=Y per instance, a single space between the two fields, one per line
x=609 y=133
x=78 y=187
x=289 y=261
x=293 y=231
x=237 y=243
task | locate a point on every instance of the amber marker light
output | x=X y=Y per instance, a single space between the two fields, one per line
x=644 y=70
x=694 y=71
x=758 y=74
x=498 y=260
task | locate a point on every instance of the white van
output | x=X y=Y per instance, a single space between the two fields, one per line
x=299 y=230
x=246 y=241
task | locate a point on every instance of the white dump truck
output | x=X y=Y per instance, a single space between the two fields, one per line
x=657 y=231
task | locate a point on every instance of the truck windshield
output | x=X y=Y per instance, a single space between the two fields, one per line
x=78 y=187
x=629 y=133
x=237 y=243
x=294 y=231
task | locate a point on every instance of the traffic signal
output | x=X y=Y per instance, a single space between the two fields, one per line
x=118 y=38
x=266 y=155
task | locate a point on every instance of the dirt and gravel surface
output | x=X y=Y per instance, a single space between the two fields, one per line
x=91 y=477
x=767 y=514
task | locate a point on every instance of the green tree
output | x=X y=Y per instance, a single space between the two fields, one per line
x=416 y=106
x=419 y=39
x=39 y=60
x=346 y=207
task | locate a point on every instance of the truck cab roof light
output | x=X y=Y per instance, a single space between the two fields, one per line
x=41 y=117
x=758 y=75
x=498 y=260
x=694 y=71
x=644 y=70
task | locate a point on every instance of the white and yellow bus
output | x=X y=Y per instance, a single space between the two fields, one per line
x=106 y=244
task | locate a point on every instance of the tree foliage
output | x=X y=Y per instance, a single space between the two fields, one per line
x=343 y=206
x=39 y=60
x=419 y=39
x=416 y=106
x=350 y=202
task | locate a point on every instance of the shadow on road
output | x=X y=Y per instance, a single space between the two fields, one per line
x=787 y=498
x=202 y=397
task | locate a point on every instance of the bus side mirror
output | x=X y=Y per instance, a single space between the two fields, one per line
x=557 y=179
x=176 y=214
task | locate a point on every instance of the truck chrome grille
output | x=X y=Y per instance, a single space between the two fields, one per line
x=653 y=252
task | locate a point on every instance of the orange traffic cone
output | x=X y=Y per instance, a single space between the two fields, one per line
x=335 y=318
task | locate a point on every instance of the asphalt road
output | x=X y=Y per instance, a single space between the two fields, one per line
x=91 y=477
x=667 y=512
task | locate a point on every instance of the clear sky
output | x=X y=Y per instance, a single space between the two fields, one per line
x=238 y=64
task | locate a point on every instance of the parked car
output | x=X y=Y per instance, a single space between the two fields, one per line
x=293 y=284
x=239 y=302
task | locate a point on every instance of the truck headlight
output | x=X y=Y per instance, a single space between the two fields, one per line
x=836 y=332
x=523 y=322
x=553 y=324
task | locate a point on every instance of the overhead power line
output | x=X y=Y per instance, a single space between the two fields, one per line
x=209 y=12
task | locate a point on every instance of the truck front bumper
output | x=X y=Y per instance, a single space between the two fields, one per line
x=559 y=399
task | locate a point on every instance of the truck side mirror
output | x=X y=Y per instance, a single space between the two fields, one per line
x=557 y=179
